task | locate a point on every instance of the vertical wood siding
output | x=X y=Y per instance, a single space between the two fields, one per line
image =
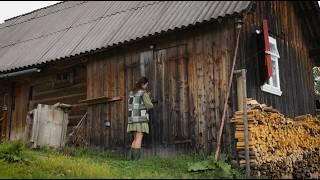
x=43 y=88
x=188 y=74
x=47 y=89
x=5 y=100
x=106 y=78
x=19 y=110
x=295 y=66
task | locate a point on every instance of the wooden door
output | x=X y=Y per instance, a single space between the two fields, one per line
x=5 y=110
x=3 y=114
x=171 y=116
x=19 y=108
x=167 y=71
x=140 y=65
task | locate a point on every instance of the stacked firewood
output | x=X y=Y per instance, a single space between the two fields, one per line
x=277 y=143
x=308 y=167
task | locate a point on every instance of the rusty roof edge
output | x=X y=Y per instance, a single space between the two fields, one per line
x=249 y=9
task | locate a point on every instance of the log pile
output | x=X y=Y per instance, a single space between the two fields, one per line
x=278 y=145
x=308 y=167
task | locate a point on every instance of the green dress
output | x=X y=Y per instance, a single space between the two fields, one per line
x=141 y=126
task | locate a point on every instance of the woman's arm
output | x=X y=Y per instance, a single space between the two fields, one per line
x=147 y=101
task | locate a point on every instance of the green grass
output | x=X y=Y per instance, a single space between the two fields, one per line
x=85 y=163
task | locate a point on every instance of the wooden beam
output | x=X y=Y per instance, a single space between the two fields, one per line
x=68 y=64
x=57 y=99
x=100 y=100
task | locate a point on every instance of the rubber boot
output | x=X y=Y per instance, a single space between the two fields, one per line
x=130 y=154
x=134 y=154
x=138 y=154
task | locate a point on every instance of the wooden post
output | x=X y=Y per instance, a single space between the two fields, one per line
x=242 y=105
x=245 y=121
x=142 y=64
x=240 y=92
x=28 y=127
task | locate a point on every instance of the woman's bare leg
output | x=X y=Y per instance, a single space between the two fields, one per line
x=136 y=146
x=133 y=145
x=138 y=139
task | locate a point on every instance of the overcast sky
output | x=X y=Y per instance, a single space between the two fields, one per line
x=9 y=9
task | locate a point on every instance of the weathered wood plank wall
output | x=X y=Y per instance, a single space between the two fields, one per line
x=19 y=110
x=295 y=66
x=5 y=93
x=48 y=87
x=2 y=114
x=64 y=83
x=106 y=78
x=188 y=74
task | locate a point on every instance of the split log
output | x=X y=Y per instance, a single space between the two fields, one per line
x=279 y=147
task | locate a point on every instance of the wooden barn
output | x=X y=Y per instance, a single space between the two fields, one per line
x=89 y=55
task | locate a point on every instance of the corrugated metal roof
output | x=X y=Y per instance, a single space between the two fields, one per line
x=74 y=27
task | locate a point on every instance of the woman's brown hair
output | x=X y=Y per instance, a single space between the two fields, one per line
x=139 y=84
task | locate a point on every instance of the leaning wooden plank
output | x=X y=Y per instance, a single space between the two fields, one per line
x=100 y=100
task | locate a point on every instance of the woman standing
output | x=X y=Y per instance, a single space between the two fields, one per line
x=139 y=104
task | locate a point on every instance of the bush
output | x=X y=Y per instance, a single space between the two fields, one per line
x=11 y=152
